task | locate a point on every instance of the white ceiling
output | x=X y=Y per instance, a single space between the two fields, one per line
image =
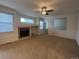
x=28 y=7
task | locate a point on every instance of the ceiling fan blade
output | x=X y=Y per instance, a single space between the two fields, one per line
x=47 y=14
x=49 y=10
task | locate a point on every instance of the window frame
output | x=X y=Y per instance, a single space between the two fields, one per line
x=7 y=22
x=65 y=22
x=27 y=19
x=40 y=24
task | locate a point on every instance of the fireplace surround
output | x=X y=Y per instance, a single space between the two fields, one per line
x=27 y=31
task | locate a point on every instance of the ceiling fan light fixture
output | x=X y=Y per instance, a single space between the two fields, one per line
x=44 y=13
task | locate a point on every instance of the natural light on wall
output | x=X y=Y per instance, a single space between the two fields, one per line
x=28 y=21
x=6 y=22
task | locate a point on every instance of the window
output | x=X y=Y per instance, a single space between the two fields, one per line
x=6 y=22
x=41 y=24
x=28 y=21
x=60 y=24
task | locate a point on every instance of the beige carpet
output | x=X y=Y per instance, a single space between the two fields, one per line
x=41 y=47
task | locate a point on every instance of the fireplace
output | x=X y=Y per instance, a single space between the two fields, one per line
x=24 y=32
x=27 y=31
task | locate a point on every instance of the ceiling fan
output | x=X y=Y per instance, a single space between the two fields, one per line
x=44 y=11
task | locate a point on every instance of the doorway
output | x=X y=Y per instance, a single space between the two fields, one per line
x=44 y=26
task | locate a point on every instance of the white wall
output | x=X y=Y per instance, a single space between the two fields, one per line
x=13 y=36
x=71 y=29
x=9 y=36
x=70 y=32
x=77 y=39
